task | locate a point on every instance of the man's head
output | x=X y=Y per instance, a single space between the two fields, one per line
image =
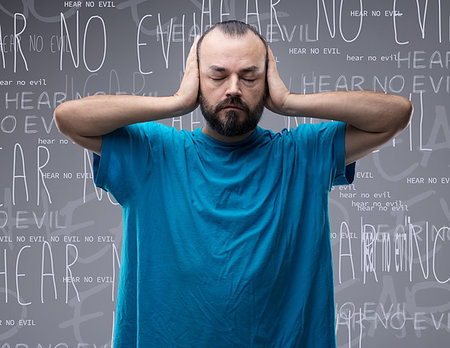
x=232 y=66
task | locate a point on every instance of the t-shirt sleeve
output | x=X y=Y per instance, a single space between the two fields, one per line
x=331 y=147
x=124 y=158
x=323 y=145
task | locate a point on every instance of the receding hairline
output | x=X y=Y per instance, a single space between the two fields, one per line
x=232 y=29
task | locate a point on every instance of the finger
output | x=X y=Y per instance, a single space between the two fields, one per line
x=194 y=44
x=191 y=60
x=272 y=61
x=271 y=57
x=193 y=51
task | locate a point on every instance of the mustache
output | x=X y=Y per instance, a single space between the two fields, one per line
x=232 y=101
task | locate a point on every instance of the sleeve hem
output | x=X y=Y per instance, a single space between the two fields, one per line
x=345 y=174
x=99 y=165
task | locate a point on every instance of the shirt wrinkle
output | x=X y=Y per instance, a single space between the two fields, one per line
x=224 y=244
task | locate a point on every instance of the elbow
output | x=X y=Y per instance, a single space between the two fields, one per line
x=69 y=116
x=59 y=114
x=404 y=113
x=62 y=115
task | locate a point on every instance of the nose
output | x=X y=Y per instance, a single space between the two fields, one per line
x=234 y=87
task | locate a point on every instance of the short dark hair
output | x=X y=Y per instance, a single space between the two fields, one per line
x=233 y=28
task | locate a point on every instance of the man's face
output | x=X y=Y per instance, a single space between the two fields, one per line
x=232 y=82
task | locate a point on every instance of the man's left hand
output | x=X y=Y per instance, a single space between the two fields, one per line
x=277 y=99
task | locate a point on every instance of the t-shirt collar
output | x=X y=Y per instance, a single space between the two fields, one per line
x=213 y=141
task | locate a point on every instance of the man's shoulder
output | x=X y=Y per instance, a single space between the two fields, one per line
x=312 y=129
x=155 y=128
x=303 y=134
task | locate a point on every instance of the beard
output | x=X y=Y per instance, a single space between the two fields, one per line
x=232 y=126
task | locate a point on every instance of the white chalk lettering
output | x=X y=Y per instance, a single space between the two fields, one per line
x=169 y=39
x=18 y=149
x=360 y=22
x=344 y=232
x=273 y=12
x=104 y=44
x=139 y=43
x=69 y=275
x=76 y=61
x=255 y=13
x=51 y=274
x=18 y=275
x=17 y=45
x=205 y=11
x=40 y=174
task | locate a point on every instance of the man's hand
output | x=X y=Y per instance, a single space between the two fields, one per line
x=278 y=93
x=86 y=120
x=372 y=118
x=187 y=94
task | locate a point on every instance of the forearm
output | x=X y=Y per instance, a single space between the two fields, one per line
x=365 y=110
x=101 y=114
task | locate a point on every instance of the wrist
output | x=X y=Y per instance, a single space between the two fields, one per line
x=289 y=106
x=182 y=105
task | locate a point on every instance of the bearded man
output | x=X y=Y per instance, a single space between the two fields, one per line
x=226 y=228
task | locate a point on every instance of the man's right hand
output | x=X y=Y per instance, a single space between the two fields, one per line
x=187 y=94
x=86 y=120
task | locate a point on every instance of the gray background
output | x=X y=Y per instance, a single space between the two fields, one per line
x=390 y=229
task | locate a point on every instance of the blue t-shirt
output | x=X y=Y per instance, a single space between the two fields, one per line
x=224 y=245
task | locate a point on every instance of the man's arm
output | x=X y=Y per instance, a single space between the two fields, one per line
x=86 y=120
x=372 y=118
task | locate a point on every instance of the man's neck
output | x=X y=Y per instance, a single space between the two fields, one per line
x=233 y=139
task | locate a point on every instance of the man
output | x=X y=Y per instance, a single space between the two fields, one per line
x=226 y=230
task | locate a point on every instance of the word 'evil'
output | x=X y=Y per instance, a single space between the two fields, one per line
x=332 y=15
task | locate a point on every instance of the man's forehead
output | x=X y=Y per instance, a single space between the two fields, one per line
x=218 y=47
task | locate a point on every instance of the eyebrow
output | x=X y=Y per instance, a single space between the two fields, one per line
x=217 y=68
